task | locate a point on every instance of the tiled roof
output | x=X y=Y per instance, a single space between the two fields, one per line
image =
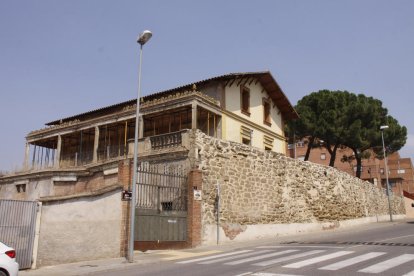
x=264 y=77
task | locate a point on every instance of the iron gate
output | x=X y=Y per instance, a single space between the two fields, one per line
x=161 y=210
x=17 y=228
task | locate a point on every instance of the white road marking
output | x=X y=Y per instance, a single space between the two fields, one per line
x=244 y=274
x=288 y=258
x=273 y=274
x=409 y=273
x=236 y=256
x=354 y=246
x=261 y=257
x=213 y=257
x=177 y=255
x=352 y=261
x=396 y=238
x=380 y=267
x=318 y=259
x=304 y=246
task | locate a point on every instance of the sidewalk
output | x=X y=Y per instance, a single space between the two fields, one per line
x=157 y=256
x=140 y=258
x=89 y=267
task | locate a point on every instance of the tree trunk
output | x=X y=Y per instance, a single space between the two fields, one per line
x=359 y=163
x=310 y=144
x=332 y=152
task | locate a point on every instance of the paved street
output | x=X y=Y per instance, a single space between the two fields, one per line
x=380 y=249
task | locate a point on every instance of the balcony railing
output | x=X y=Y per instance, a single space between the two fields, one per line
x=111 y=152
x=75 y=159
x=167 y=140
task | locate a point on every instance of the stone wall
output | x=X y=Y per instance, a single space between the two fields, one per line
x=266 y=188
x=409 y=207
x=34 y=189
x=58 y=183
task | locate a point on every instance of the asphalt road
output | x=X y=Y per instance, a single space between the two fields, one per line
x=378 y=249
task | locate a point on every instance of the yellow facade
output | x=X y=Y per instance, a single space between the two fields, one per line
x=235 y=119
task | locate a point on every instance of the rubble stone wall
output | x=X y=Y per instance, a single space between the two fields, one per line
x=267 y=188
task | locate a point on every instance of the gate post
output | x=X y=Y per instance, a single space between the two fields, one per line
x=194 y=223
x=124 y=178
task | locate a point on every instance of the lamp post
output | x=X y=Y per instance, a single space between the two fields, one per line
x=386 y=170
x=142 y=39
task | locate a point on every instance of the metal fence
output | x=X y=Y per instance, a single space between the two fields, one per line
x=161 y=203
x=17 y=228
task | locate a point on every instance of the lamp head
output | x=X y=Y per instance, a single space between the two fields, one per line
x=383 y=127
x=144 y=37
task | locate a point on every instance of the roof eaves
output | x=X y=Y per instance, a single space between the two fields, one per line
x=291 y=114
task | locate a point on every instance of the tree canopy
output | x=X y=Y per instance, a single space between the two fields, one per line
x=344 y=119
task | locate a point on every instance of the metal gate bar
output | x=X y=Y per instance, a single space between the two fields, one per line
x=17 y=228
x=161 y=210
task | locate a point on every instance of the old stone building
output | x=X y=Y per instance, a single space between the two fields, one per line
x=249 y=108
x=74 y=164
x=212 y=163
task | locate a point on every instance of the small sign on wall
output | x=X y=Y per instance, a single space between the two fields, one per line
x=126 y=195
x=197 y=194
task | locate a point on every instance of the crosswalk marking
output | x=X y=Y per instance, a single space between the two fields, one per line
x=288 y=258
x=272 y=274
x=171 y=255
x=299 y=246
x=352 y=261
x=235 y=256
x=268 y=257
x=318 y=259
x=213 y=257
x=261 y=257
x=380 y=267
x=409 y=273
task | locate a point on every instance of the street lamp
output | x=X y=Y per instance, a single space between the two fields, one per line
x=386 y=170
x=142 y=39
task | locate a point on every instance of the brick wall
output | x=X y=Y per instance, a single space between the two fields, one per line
x=194 y=209
x=125 y=170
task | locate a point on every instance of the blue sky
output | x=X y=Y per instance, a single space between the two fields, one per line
x=61 y=58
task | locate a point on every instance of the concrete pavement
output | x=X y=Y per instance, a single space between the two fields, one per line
x=158 y=256
x=89 y=267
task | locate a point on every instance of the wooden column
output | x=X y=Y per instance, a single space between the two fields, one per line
x=141 y=127
x=26 y=156
x=58 y=149
x=95 y=145
x=194 y=115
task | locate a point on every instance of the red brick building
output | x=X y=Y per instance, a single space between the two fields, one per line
x=401 y=171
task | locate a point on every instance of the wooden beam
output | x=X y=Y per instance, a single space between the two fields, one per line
x=246 y=80
x=241 y=80
x=252 y=80
x=231 y=82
